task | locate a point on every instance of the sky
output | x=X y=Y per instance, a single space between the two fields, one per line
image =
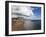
x=37 y=13
x=33 y=12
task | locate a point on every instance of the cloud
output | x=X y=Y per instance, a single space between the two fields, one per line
x=24 y=10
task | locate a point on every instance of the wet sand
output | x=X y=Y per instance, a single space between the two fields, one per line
x=18 y=24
